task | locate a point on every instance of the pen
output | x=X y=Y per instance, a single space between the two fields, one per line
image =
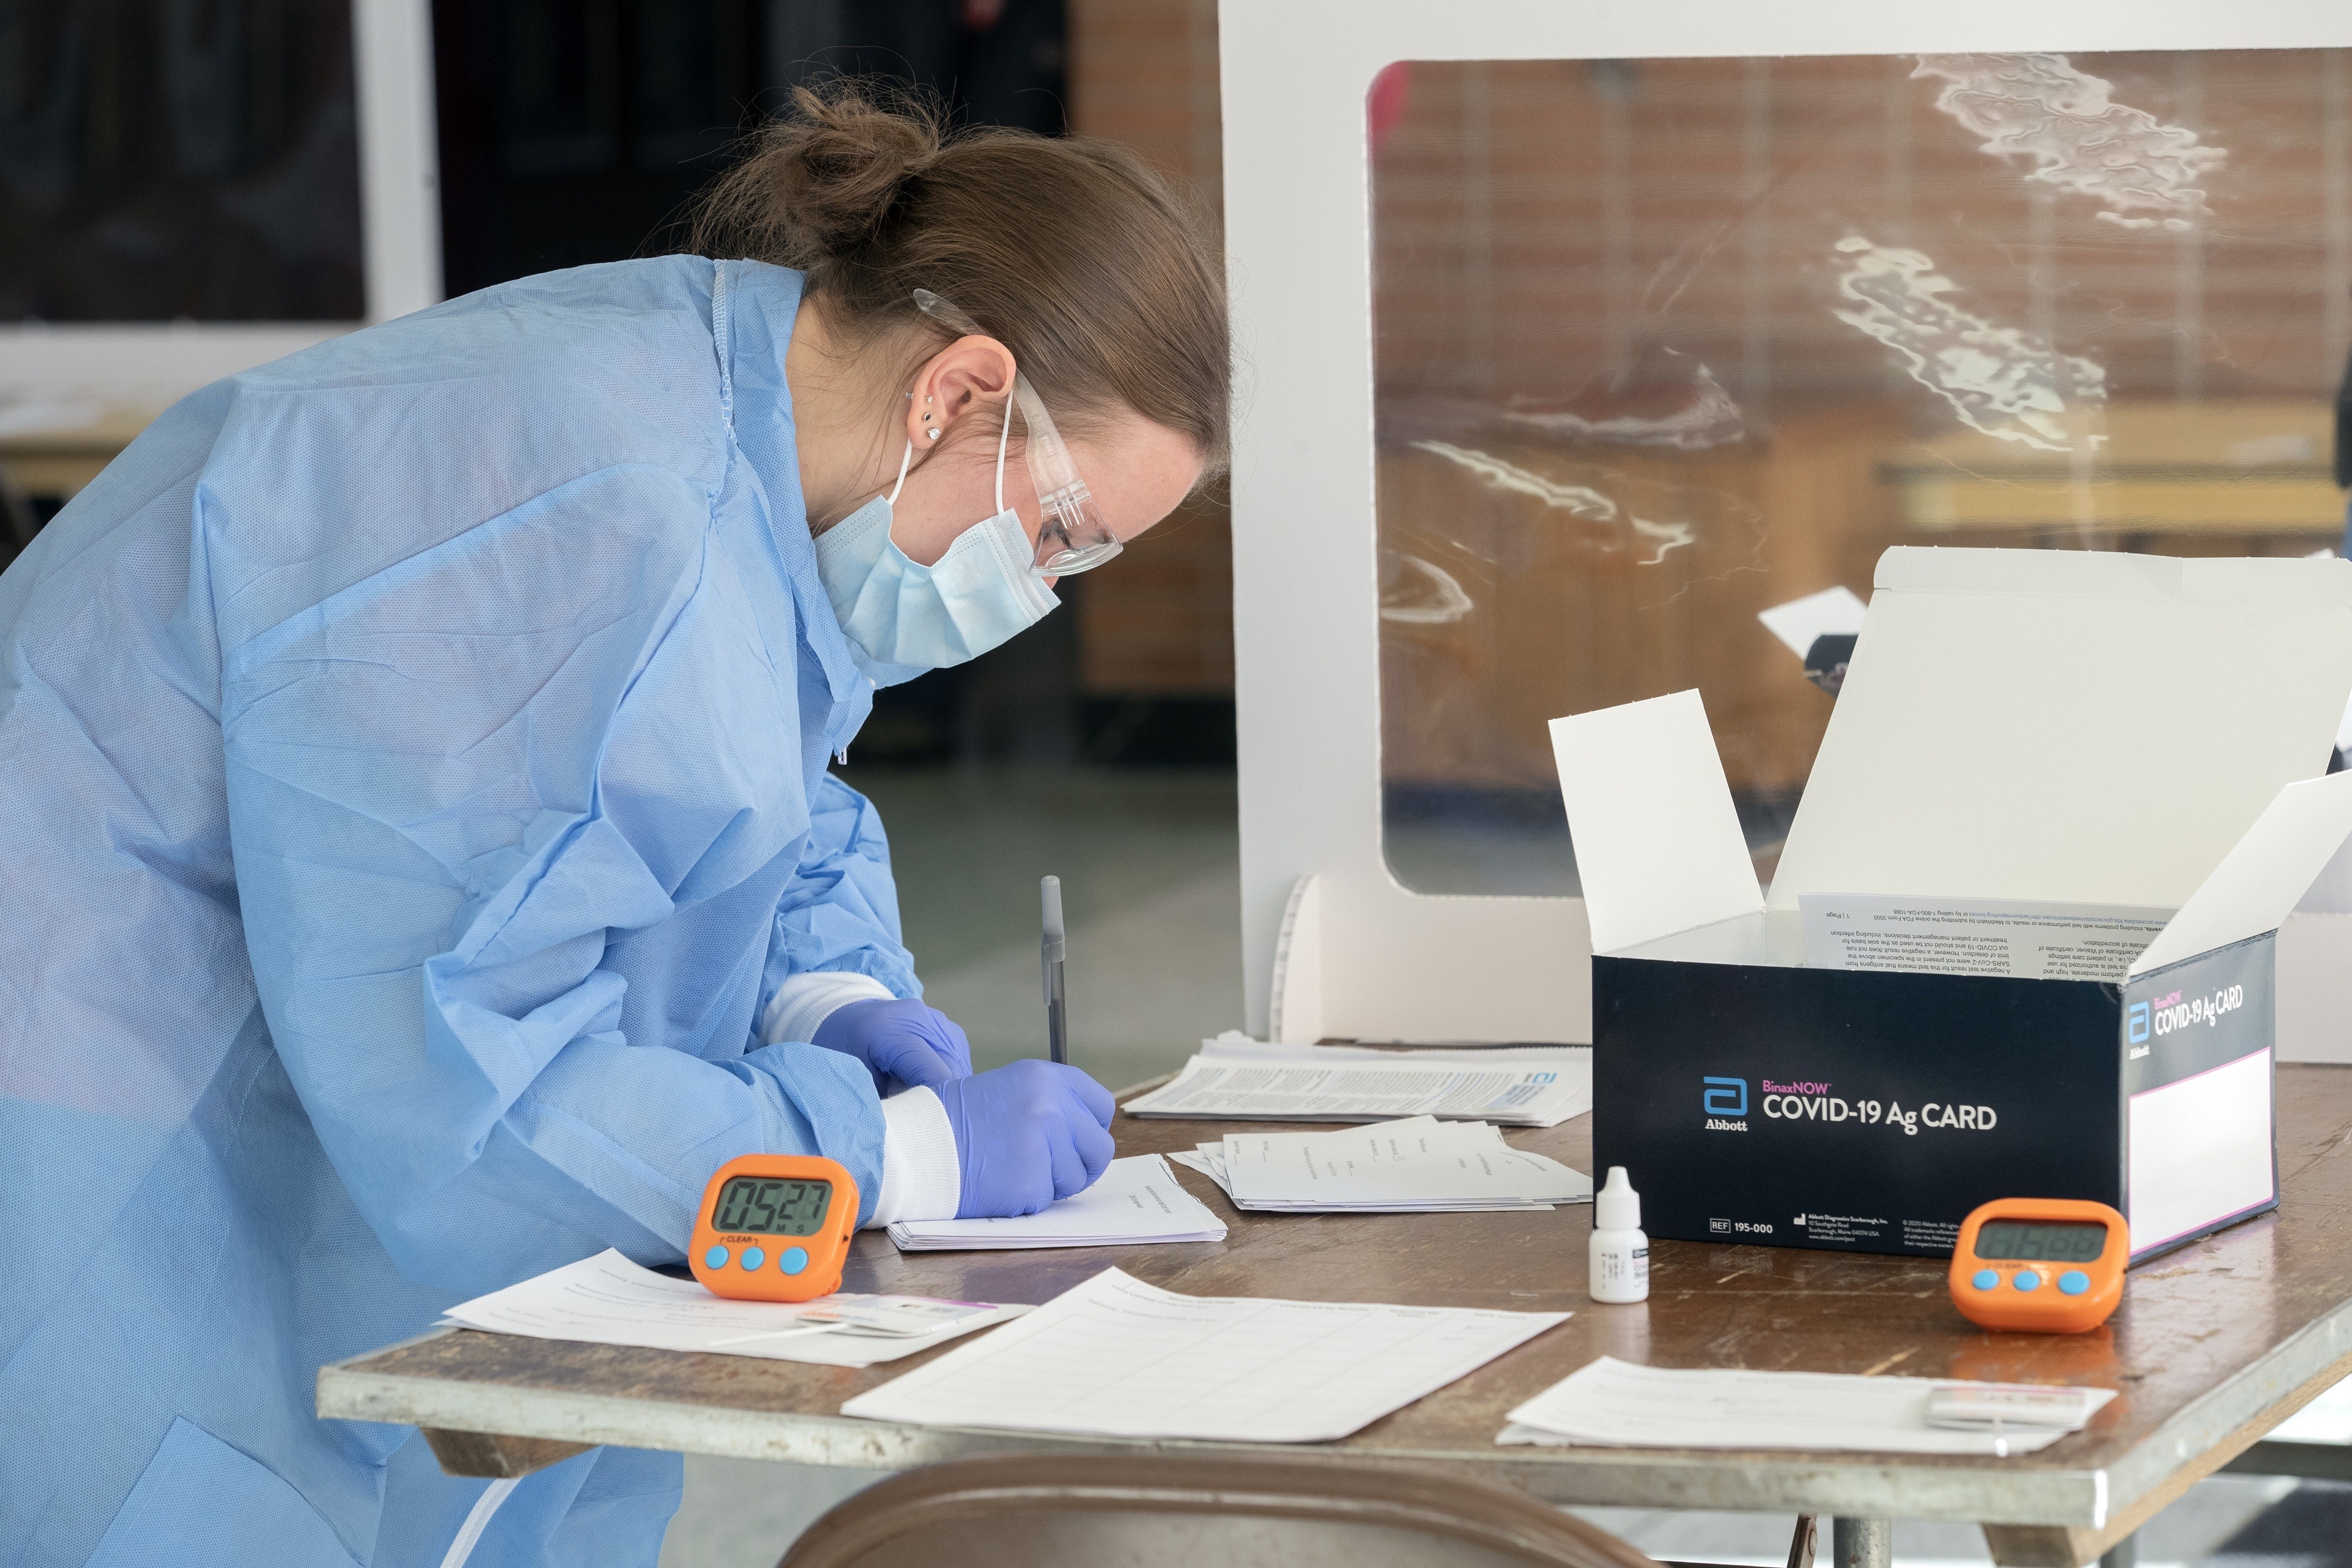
x=1058 y=1019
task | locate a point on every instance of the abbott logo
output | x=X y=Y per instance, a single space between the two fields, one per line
x=2138 y=1031
x=1726 y=1095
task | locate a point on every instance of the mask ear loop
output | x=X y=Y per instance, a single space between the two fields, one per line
x=892 y=499
x=1003 y=433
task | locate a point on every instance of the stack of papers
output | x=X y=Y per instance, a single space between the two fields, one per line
x=1238 y=1078
x=1417 y=1164
x=1615 y=1404
x=1137 y=1201
x=608 y=1300
x=1117 y=1357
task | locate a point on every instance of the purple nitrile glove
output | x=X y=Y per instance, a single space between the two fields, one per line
x=902 y=1043
x=1026 y=1133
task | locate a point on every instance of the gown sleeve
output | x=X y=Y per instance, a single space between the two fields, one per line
x=839 y=915
x=470 y=798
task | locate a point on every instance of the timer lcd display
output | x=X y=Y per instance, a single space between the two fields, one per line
x=2043 y=1241
x=770 y=1205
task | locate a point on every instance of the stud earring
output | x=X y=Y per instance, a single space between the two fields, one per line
x=932 y=434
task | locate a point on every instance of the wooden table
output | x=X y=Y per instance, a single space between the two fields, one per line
x=2214 y=1345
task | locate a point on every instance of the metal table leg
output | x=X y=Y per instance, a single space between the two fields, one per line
x=1862 y=1544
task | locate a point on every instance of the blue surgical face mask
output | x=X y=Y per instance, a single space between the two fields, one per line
x=903 y=619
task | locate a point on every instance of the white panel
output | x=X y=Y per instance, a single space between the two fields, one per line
x=1658 y=844
x=1305 y=591
x=2200 y=1150
x=2061 y=727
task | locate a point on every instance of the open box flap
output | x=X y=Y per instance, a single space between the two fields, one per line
x=2065 y=726
x=2292 y=857
x=1658 y=844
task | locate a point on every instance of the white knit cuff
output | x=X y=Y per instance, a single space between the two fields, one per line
x=921 y=1177
x=805 y=1001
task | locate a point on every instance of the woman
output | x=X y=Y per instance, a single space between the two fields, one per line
x=424 y=867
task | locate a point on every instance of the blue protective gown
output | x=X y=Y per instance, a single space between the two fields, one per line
x=414 y=786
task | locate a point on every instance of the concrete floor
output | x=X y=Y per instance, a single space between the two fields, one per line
x=1148 y=861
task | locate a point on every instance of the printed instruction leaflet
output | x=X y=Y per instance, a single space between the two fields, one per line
x=1415 y=1165
x=1306 y=1083
x=1976 y=936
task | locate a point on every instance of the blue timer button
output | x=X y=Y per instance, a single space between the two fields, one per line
x=2074 y=1282
x=1985 y=1279
x=795 y=1259
x=753 y=1258
x=715 y=1258
x=2027 y=1280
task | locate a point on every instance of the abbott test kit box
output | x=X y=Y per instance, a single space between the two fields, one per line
x=2021 y=941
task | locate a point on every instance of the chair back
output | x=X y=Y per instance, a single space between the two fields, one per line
x=1158 y=1511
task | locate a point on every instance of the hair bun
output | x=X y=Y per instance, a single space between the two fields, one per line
x=833 y=166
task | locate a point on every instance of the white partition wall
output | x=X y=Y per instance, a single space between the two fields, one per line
x=1363 y=956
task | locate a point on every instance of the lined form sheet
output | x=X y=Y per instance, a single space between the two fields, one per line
x=1117 y=1357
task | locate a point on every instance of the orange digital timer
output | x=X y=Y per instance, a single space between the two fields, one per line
x=2051 y=1265
x=775 y=1227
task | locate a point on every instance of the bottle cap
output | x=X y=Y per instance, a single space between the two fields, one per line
x=1617 y=1206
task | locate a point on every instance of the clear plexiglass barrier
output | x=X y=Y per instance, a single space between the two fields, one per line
x=1662 y=345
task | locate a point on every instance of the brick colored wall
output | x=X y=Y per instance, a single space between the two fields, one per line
x=1578 y=238
x=1159 y=620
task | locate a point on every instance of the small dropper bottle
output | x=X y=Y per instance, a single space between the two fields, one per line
x=1620 y=1253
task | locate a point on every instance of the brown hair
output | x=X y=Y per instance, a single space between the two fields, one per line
x=1104 y=282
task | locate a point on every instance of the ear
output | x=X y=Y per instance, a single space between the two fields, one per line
x=969 y=372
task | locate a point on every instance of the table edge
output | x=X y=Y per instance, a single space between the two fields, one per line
x=1848 y=1484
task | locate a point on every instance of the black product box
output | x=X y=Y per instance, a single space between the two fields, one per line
x=2022 y=938
x=1870 y=1113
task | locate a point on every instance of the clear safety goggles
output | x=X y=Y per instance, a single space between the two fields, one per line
x=1073 y=536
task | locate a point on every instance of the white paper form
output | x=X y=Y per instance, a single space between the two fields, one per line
x=1617 y=1404
x=1520 y=1094
x=2025 y=939
x=1136 y=1201
x=1120 y=1358
x=608 y=1300
x=1416 y=1164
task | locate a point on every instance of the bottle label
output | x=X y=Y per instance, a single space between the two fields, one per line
x=1616 y=1269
